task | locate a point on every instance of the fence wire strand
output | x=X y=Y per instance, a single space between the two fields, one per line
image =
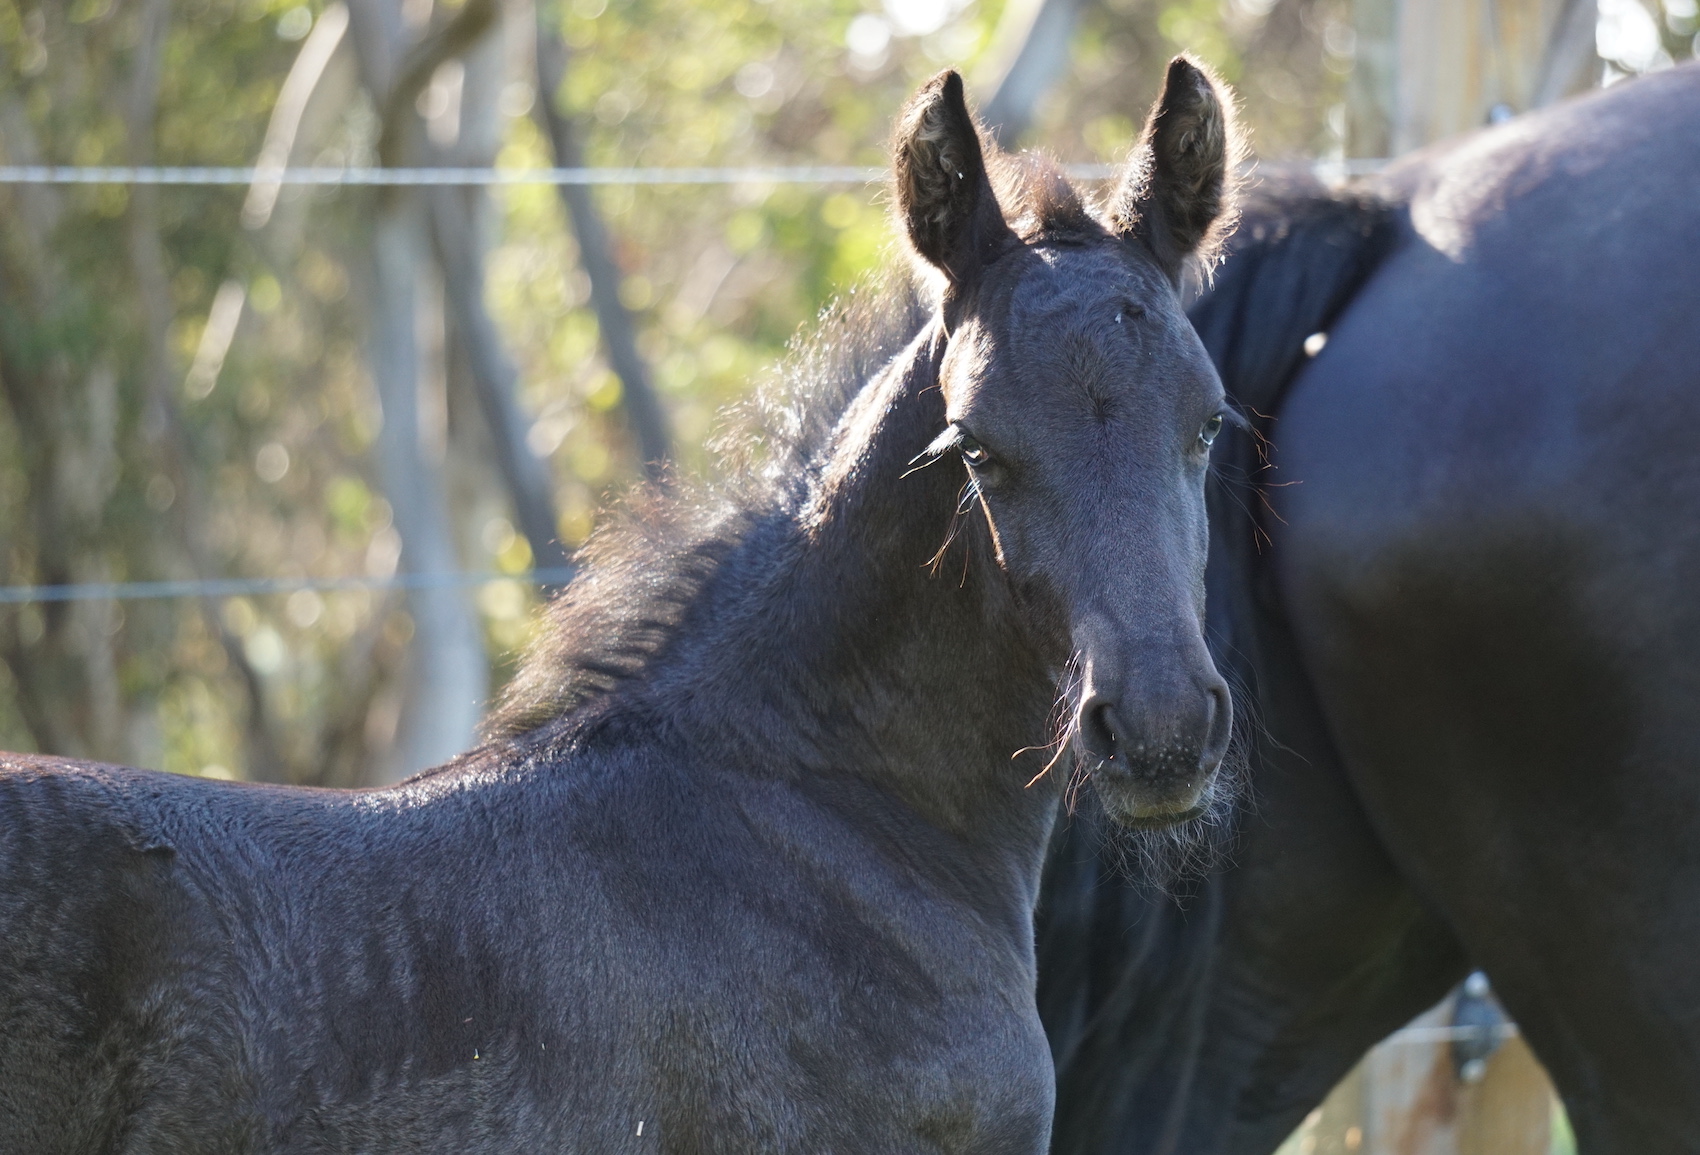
x=343 y=177
x=254 y=587
x=388 y=177
x=322 y=177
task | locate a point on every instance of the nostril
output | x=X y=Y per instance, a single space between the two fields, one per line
x=1101 y=731
x=1218 y=729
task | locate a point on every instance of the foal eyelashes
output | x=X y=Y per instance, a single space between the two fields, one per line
x=957 y=438
x=943 y=443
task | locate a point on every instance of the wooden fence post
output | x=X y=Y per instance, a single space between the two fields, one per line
x=1406 y=1098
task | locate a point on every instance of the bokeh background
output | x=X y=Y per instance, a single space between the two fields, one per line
x=265 y=381
x=285 y=381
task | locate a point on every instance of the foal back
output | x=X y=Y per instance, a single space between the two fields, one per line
x=98 y=947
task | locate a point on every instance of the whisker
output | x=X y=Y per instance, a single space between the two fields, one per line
x=1062 y=748
x=964 y=503
x=1264 y=498
x=949 y=539
x=1064 y=718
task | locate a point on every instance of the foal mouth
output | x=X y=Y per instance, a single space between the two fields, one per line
x=1161 y=821
x=1151 y=801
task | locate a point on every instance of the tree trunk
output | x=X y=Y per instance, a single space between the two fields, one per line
x=460 y=255
x=1031 y=43
x=447 y=669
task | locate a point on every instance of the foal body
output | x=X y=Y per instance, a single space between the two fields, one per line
x=748 y=864
x=696 y=908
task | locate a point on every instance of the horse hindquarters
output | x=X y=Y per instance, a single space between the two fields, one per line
x=90 y=1028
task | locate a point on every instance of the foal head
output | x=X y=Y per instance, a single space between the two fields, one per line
x=1082 y=406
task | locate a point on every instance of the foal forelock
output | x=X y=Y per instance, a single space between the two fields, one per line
x=1039 y=201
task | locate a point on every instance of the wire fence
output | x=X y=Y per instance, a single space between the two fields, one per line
x=245 y=176
x=254 y=587
x=392 y=177
x=344 y=177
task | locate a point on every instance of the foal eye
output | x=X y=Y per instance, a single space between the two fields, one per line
x=972 y=451
x=1207 y=435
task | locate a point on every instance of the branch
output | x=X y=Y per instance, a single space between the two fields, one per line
x=421 y=63
x=643 y=408
x=291 y=104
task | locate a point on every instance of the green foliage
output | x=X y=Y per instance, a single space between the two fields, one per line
x=279 y=449
x=291 y=392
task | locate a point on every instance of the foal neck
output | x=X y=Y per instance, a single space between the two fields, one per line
x=915 y=669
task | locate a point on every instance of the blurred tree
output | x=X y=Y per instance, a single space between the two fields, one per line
x=1437 y=70
x=128 y=468
x=291 y=381
x=619 y=337
x=161 y=422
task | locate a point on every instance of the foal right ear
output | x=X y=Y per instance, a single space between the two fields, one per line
x=945 y=198
x=1176 y=194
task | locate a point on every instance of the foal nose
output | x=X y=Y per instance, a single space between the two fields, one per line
x=1160 y=740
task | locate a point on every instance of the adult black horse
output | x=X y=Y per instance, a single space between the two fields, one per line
x=747 y=864
x=1465 y=611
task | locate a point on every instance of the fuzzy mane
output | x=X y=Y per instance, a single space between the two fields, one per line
x=645 y=565
x=647 y=562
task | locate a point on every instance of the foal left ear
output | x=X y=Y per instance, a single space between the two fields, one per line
x=1176 y=194
x=944 y=196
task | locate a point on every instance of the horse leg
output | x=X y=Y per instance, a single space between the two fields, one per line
x=1325 y=948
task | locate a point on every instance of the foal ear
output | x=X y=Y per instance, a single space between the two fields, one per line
x=1176 y=194
x=945 y=198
